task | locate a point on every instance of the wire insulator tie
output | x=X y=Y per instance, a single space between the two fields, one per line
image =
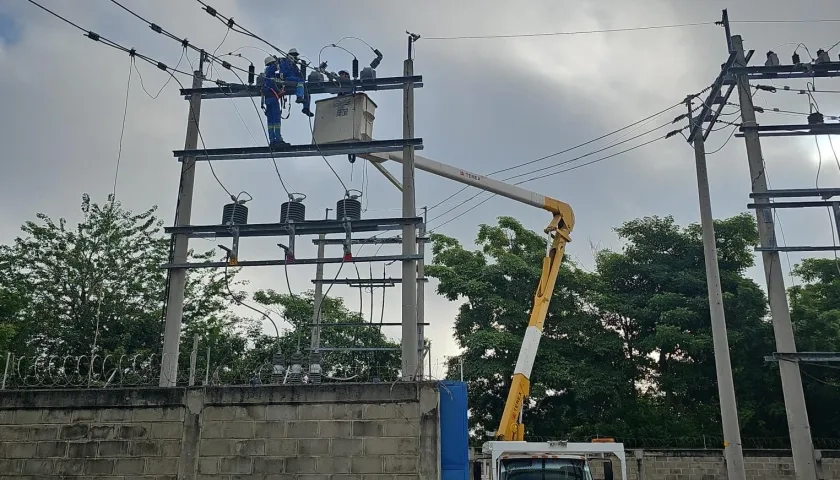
x=162 y=66
x=155 y=27
x=93 y=36
x=185 y=43
x=230 y=22
x=226 y=64
x=210 y=10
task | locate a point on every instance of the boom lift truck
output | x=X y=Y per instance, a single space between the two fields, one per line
x=510 y=457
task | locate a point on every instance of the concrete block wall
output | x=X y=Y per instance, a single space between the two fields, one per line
x=342 y=432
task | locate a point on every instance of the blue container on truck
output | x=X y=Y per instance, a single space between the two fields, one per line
x=454 y=431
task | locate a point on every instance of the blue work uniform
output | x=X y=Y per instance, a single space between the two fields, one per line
x=271 y=92
x=291 y=73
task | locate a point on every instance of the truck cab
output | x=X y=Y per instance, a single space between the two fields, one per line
x=517 y=460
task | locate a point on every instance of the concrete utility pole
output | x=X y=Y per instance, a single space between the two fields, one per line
x=319 y=293
x=178 y=276
x=409 y=246
x=797 y=416
x=732 y=448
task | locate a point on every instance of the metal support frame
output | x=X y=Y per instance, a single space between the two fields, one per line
x=802 y=446
x=363 y=324
x=823 y=204
x=827 y=357
x=306 y=150
x=802 y=248
x=313 y=88
x=781 y=72
x=359 y=349
x=309 y=227
x=365 y=282
x=366 y=241
x=797 y=192
x=297 y=261
x=792 y=130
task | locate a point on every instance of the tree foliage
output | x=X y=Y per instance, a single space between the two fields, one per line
x=627 y=349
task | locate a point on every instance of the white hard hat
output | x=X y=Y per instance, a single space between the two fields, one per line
x=293 y=51
x=270 y=59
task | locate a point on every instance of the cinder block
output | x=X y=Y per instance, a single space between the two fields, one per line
x=368 y=428
x=228 y=430
x=167 y=430
x=82 y=449
x=332 y=465
x=251 y=412
x=313 y=446
x=314 y=412
x=281 y=412
x=347 y=477
x=249 y=447
x=300 y=465
x=302 y=429
x=161 y=466
x=7 y=417
x=20 y=450
x=99 y=466
x=129 y=465
x=208 y=465
x=113 y=448
x=401 y=428
x=335 y=429
x=68 y=467
x=346 y=447
x=170 y=448
x=43 y=432
x=269 y=465
x=56 y=415
x=350 y=411
x=235 y=465
x=11 y=433
x=380 y=411
x=215 y=447
x=270 y=430
x=76 y=431
x=133 y=431
x=402 y=464
x=27 y=417
x=51 y=449
x=144 y=448
x=38 y=467
x=313 y=477
x=391 y=446
x=102 y=432
x=366 y=464
x=281 y=447
x=157 y=414
x=10 y=466
x=115 y=415
x=218 y=414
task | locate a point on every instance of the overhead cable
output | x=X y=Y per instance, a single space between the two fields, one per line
x=579 y=32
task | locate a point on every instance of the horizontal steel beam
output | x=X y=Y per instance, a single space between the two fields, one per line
x=810 y=128
x=306 y=150
x=804 y=357
x=790 y=204
x=362 y=324
x=364 y=282
x=357 y=349
x=798 y=249
x=313 y=88
x=364 y=241
x=758 y=72
x=309 y=227
x=797 y=192
x=297 y=261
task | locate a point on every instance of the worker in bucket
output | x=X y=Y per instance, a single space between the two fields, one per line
x=291 y=73
x=343 y=76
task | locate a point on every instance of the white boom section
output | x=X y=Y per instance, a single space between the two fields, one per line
x=468 y=178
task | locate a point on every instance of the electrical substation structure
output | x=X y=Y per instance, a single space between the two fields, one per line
x=736 y=74
x=293 y=223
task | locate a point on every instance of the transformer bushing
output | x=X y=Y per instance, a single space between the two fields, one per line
x=295 y=369
x=279 y=368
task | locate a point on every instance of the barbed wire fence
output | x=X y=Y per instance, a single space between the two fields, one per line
x=199 y=366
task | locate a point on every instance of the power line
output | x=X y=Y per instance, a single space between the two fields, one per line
x=122 y=129
x=579 y=32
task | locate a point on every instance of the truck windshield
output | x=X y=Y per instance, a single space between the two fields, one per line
x=545 y=469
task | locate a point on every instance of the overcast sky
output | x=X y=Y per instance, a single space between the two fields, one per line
x=487 y=104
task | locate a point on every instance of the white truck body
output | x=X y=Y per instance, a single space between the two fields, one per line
x=503 y=455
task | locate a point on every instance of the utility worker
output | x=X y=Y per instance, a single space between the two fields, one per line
x=291 y=73
x=343 y=75
x=272 y=94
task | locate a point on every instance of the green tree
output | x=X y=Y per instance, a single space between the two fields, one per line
x=97 y=287
x=579 y=381
x=815 y=312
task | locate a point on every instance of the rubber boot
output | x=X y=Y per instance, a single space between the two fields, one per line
x=278 y=143
x=299 y=93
